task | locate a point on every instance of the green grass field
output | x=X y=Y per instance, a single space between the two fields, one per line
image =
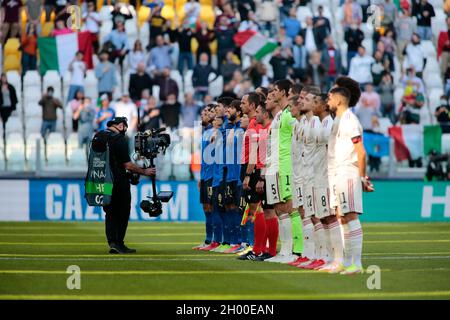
x=414 y=261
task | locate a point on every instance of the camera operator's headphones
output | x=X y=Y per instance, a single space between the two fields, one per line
x=116 y=121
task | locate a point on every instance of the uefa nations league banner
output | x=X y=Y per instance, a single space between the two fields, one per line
x=63 y=200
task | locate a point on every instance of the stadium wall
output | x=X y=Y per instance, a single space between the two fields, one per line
x=62 y=200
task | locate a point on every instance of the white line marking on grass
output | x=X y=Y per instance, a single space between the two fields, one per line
x=180 y=258
x=250 y=296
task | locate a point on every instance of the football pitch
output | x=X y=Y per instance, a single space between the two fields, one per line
x=414 y=259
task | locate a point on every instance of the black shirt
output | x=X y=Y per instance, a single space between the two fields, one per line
x=118 y=154
x=184 y=38
x=423 y=21
x=444 y=116
x=139 y=83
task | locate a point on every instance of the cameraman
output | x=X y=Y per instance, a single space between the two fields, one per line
x=118 y=211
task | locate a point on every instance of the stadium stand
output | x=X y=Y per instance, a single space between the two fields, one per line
x=61 y=149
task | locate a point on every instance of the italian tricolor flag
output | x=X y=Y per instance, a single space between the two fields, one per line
x=412 y=141
x=56 y=53
x=254 y=44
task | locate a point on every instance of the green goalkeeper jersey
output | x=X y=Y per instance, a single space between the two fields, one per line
x=286 y=128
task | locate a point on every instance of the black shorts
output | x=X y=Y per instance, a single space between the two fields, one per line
x=251 y=196
x=206 y=191
x=218 y=197
x=233 y=193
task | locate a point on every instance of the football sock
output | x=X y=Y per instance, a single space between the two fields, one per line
x=356 y=239
x=285 y=234
x=337 y=246
x=260 y=233
x=319 y=240
x=226 y=226
x=347 y=246
x=297 y=232
x=209 y=227
x=238 y=230
x=249 y=228
x=272 y=234
x=217 y=227
x=308 y=237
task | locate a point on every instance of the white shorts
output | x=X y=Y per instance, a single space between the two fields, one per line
x=272 y=189
x=297 y=195
x=309 y=200
x=349 y=193
x=322 y=203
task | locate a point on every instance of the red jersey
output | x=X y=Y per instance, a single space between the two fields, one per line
x=263 y=135
x=251 y=134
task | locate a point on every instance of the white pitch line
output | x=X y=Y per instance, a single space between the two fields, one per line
x=219 y=258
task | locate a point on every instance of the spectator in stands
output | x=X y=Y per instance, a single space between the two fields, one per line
x=378 y=67
x=78 y=69
x=190 y=111
x=245 y=7
x=142 y=102
x=184 y=37
x=331 y=61
x=29 y=49
x=443 y=48
x=413 y=100
x=410 y=75
x=61 y=12
x=33 y=10
x=49 y=6
x=424 y=11
x=354 y=38
x=126 y=108
x=280 y=64
x=224 y=35
x=151 y=115
x=388 y=41
x=200 y=77
x=204 y=38
x=230 y=65
x=8 y=100
x=368 y=107
x=60 y=28
x=442 y=114
x=74 y=105
x=291 y=24
x=92 y=21
x=390 y=10
x=228 y=13
x=267 y=12
x=313 y=41
x=139 y=81
x=105 y=114
x=386 y=90
x=300 y=56
x=170 y=111
x=405 y=26
x=159 y=59
x=284 y=41
x=119 y=39
x=136 y=56
x=321 y=24
x=414 y=55
x=157 y=24
x=315 y=71
x=167 y=86
x=11 y=19
x=365 y=4
x=120 y=14
x=250 y=24
x=49 y=116
x=85 y=116
x=105 y=73
x=360 y=67
x=352 y=13
x=192 y=12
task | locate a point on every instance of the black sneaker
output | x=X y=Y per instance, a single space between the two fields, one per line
x=115 y=249
x=125 y=249
x=248 y=256
x=265 y=256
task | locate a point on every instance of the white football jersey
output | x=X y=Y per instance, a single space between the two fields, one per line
x=321 y=158
x=310 y=134
x=345 y=152
x=296 y=148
